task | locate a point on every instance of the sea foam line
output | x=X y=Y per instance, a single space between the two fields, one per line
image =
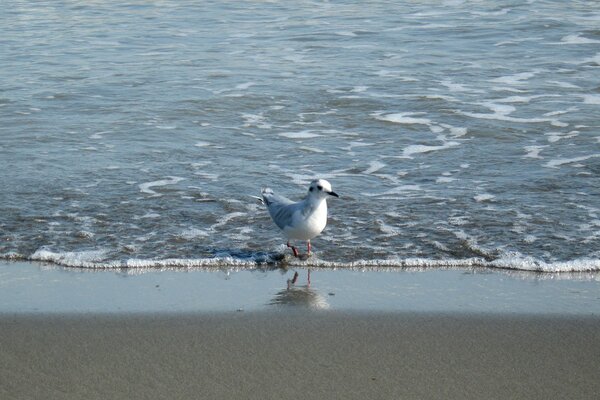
x=94 y=259
x=146 y=187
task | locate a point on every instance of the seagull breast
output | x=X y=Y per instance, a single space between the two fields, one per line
x=307 y=221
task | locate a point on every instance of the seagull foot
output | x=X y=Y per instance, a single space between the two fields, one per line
x=295 y=250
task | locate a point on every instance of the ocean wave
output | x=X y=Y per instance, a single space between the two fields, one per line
x=97 y=259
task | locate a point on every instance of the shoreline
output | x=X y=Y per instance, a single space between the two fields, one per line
x=27 y=287
x=353 y=355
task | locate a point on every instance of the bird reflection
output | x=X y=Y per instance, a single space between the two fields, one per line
x=299 y=296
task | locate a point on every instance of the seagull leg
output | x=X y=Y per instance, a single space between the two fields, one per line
x=308 y=246
x=295 y=278
x=295 y=250
x=308 y=278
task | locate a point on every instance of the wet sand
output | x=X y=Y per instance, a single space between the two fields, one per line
x=290 y=354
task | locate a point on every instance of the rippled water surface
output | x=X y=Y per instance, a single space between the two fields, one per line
x=456 y=132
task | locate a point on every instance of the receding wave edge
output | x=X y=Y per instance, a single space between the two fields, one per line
x=96 y=259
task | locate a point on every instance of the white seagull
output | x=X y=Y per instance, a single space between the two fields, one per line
x=303 y=220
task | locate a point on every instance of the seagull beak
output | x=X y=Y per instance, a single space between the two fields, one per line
x=333 y=194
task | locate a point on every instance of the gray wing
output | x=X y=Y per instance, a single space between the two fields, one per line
x=280 y=208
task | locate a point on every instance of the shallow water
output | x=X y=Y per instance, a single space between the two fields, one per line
x=456 y=133
x=30 y=287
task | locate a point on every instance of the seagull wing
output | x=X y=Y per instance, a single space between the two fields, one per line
x=280 y=208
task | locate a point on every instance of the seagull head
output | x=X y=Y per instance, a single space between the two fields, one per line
x=320 y=188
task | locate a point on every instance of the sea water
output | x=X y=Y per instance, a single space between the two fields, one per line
x=457 y=133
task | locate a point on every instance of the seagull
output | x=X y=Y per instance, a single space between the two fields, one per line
x=303 y=220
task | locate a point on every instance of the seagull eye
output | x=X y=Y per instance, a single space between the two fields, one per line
x=320 y=187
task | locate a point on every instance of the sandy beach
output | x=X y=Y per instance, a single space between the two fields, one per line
x=299 y=354
x=464 y=334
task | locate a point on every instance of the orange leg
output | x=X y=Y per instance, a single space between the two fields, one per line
x=295 y=250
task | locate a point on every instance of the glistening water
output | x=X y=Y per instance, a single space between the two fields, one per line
x=456 y=132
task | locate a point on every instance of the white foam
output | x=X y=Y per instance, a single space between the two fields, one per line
x=516 y=261
x=206 y=175
x=311 y=149
x=300 y=135
x=558 y=123
x=396 y=75
x=556 y=136
x=564 y=85
x=520 y=99
x=508 y=89
x=501 y=112
x=202 y=144
x=458 y=221
x=436 y=128
x=146 y=187
x=69 y=258
x=564 y=161
x=413 y=149
x=387 y=230
x=516 y=79
x=374 y=166
x=483 y=197
x=403 y=118
x=354 y=144
x=591 y=99
x=444 y=179
x=359 y=89
x=345 y=33
x=455 y=131
x=457 y=87
x=501 y=109
x=95 y=259
x=258 y=121
x=577 y=39
x=12 y=255
x=244 y=86
x=397 y=190
x=98 y=135
x=595 y=60
x=149 y=215
x=85 y=234
x=226 y=218
x=193 y=233
x=533 y=151
x=560 y=112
